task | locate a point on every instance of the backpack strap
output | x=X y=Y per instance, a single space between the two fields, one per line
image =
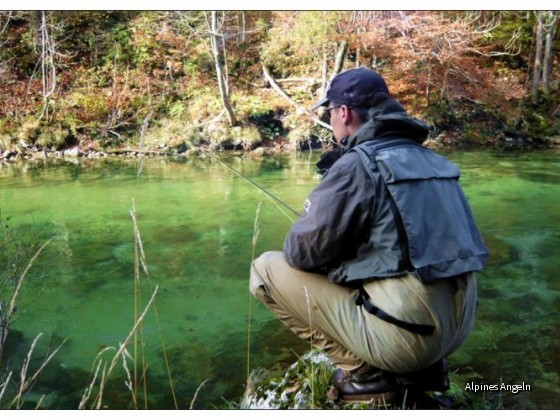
x=363 y=300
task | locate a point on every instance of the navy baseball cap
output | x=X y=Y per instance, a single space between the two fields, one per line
x=357 y=88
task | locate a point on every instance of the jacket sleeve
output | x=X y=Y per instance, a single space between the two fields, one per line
x=334 y=220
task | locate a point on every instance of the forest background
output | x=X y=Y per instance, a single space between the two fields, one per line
x=175 y=81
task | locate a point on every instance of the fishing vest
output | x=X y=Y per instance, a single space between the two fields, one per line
x=437 y=233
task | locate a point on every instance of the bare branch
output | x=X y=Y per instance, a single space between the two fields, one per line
x=8 y=17
x=290 y=100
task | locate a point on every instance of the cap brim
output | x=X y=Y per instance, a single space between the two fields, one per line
x=321 y=102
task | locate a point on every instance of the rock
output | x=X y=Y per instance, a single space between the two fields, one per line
x=295 y=390
x=24 y=145
x=10 y=154
x=258 y=152
x=74 y=152
x=510 y=139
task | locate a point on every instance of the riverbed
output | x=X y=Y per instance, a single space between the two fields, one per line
x=196 y=221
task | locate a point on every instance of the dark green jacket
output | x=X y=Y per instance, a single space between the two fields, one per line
x=350 y=227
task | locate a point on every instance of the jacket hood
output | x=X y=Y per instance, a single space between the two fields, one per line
x=387 y=118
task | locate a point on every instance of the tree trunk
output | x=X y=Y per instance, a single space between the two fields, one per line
x=243 y=27
x=215 y=41
x=548 y=55
x=428 y=103
x=537 y=67
x=340 y=55
x=324 y=72
x=48 y=69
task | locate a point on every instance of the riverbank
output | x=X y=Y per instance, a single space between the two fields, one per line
x=34 y=154
x=506 y=140
x=113 y=82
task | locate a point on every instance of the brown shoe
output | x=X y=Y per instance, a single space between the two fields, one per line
x=364 y=384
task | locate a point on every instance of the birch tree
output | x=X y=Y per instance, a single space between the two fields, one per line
x=48 y=49
x=217 y=42
x=210 y=28
x=544 y=33
x=48 y=69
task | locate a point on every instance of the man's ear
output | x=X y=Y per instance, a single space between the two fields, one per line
x=347 y=116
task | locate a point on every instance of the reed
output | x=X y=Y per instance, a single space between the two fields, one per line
x=312 y=371
x=27 y=379
x=256 y=231
x=107 y=368
x=191 y=406
x=135 y=378
x=139 y=260
x=8 y=311
x=26 y=382
x=253 y=377
x=314 y=378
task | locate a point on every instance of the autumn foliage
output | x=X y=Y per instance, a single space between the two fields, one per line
x=104 y=78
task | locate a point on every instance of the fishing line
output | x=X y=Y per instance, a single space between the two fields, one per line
x=275 y=199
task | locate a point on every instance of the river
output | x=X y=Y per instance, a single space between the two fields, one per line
x=196 y=222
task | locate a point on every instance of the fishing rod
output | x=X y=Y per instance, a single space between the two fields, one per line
x=254 y=184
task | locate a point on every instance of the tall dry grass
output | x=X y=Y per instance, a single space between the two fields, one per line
x=19 y=386
x=135 y=365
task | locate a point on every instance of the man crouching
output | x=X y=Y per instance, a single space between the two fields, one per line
x=381 y=262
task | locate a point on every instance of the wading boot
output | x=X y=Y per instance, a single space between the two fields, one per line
x=418 y=385
x=364 y=384
x=433 y=378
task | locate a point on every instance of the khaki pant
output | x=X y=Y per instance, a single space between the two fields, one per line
x=325 y=314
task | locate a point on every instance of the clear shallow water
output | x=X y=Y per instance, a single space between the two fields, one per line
x=196 y=219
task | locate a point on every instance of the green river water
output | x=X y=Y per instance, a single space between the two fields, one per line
x=196 y=221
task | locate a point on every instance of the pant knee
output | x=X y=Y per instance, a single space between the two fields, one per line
x=259 y=275
x=255 y=280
